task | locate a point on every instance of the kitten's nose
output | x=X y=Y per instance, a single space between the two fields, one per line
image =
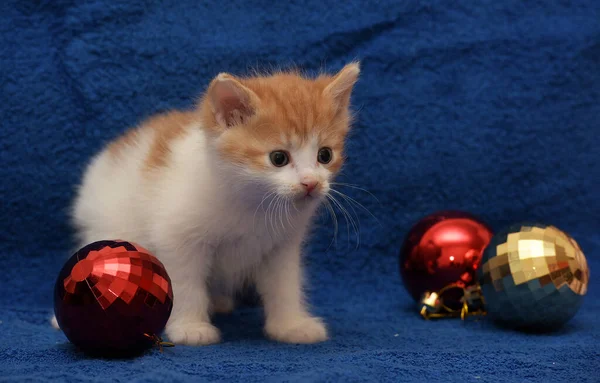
x=309 y=185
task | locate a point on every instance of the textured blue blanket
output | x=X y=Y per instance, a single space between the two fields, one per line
x=487 y=106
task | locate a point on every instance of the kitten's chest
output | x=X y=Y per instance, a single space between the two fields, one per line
x=236 y=258
x=250 y=235
x=249 y=243
x=245 y=240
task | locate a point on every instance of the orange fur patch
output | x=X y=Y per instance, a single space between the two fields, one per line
x=119 y=147
x=292 y=109
x=167 y=128
x=164 y=127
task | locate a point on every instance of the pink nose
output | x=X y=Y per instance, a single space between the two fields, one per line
x=309 y=186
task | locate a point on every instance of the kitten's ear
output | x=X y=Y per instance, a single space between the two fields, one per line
x=230 y=101
x=340 y=88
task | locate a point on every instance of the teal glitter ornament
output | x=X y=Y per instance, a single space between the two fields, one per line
x=533 y=277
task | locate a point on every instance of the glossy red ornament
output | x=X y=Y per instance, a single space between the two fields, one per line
x=441 y=249
x=113 y=297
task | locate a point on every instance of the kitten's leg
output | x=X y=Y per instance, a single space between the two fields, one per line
x=279 y=282
x=221 y=290
x=54 y=323
x=189 y=323
x=222 y=304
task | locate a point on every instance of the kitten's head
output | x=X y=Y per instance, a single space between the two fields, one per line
x=283 y=133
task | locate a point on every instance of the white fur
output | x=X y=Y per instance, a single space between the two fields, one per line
x=214 y=226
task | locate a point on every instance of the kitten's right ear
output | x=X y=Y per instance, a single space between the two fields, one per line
x=341 y=86
x=231 y=102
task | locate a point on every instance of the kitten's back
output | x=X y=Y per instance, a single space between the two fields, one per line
x=115 y=185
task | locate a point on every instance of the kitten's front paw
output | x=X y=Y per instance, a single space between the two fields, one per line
x=54 y=323
x=299 y=330
x=193 y=333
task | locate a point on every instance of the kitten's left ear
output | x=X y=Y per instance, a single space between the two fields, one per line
x=340 y=88
x=230 y=101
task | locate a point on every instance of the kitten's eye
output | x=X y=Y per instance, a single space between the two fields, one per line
x=279 y=158
x=325 y=155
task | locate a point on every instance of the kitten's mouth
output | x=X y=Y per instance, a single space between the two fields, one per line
x=301 y=198
x=309 y=196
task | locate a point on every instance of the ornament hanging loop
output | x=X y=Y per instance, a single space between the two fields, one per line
x=157 y=340
x=473 y=302
x=432 y=304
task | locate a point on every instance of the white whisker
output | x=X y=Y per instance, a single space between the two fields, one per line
x=352 y=200
x=347 y=217
x=280 y=210
x=335 y=222
x=260 y=204
x=287 y=212
x=268 y=215
x=355 y=187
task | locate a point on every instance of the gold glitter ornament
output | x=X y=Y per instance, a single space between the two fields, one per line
x=533 y=276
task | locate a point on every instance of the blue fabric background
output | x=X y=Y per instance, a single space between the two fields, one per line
x=487 y=106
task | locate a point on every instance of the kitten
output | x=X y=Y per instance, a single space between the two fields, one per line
x=223 y=195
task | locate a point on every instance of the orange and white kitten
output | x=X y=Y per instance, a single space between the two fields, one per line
x=223 y=195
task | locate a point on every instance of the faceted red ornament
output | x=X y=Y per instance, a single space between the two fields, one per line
x=113 y=297
x=441 y=249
